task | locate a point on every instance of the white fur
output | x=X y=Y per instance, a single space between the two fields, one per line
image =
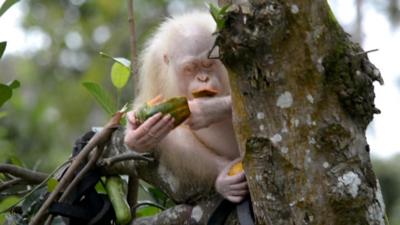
x=155 y=76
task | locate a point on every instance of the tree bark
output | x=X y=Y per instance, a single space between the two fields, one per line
x=303 y=96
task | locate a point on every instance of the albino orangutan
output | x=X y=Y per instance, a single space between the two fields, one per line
x=175 y=63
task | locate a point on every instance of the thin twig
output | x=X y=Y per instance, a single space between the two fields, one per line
x=37 y=186
x=92 y=162
x=367 y=52
x=133 y=180
x=49 y=220
x=99 y=138
x=148 y=203
x=18 y=193
x=133 y=190
x=89 y=165
x=132 y=28
x=123 y=157
x=9 y=176
x=29 y=176
x=10 y=183
x=37 y=164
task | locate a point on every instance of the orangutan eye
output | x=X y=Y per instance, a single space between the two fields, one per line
x=189 y=69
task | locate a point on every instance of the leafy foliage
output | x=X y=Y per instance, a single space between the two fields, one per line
x=14 y=84
x=159 y=198
x=27 y=208
x=5 y=93
x=119 y=75
x=101 y=96
x=6 y=5
x=123 y=61
x=2 y=48
x=147 y=211
x=7 y=90
x=51 y=184
x=5 y=204
x=219 y=15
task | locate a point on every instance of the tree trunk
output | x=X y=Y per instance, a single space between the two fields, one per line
x=303 y=96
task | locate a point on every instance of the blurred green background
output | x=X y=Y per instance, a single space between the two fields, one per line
x=61 y=50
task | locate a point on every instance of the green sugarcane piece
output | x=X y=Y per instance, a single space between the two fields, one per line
x=115 y=191
x=177 y=107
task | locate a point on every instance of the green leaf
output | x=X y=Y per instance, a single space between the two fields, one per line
x=159 y=196
x=224 y=9
x=213 y=10
x=51 y=184
x=102 y=97
x=2 y=48
x=5 y=93
x=14 y=84
x=147 y=211
x=8 y=202
x=16 y=161
x=119 y=75
x=121 y=60
x=6 y=5
x=100 y=188
x=218 y=14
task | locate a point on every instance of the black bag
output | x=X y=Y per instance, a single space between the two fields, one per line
x=85 y=205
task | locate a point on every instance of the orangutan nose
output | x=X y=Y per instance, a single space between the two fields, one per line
x=203 y=77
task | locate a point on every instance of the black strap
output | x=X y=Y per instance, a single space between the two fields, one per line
x=243 y=209
x=221 y=213
x=245 y=212
x=70 y=211
x=81 y=142
x=105 y=214
x=84 y=205
x=86 y=185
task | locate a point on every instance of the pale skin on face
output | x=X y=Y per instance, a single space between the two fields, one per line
x=206 y=141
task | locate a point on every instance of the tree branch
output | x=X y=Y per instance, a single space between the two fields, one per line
x=133 y=191
x=133 y=183
x=7 y=184
x=92 y=162
x=132 y=27
x=26 y=174
x=176 y=215
x=367 y=52
x=98 y=139
x=19 y=193
x=125 y=156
